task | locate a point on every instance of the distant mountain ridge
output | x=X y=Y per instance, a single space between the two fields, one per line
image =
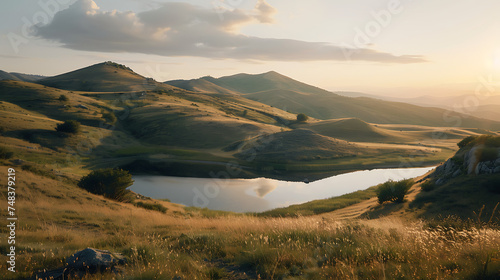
x=250 y=83
x=285 y=93
x=20 y=76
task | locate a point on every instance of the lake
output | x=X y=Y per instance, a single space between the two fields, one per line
x=258 y=195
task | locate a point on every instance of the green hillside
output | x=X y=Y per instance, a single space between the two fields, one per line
x=352 y=129
x=202 y=131
x=296 y=145
x=104 y=77
x=200 y=85
x=282 y=92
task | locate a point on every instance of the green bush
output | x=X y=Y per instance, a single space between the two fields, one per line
x=5 y=153
x=487 y=154
x=487 y=140
x=63 y=98
x=302 y=117
x=151 y=206
x=111 y=183
x=428 y=186
x=70 y=126
x=109 y=117
x=466 y=141
x=393 y=191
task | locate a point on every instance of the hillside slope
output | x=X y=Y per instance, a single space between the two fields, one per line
x=282 y=92
x=104 y=77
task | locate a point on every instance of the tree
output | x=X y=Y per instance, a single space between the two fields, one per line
x=302 y=117
x=109 y=117
x=394 y=191
x=109 y=182
x=63 y=98
x=70 y=126
x=5 y=153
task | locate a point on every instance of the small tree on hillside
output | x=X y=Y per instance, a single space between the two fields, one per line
x=5 y=153
x=393 y=191
x=63 y=98
x=111 y=183
x=302 y=117
x=70 y=126
x=109 y=117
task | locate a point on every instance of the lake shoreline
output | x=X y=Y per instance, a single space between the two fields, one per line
x=224 y=170
x=255 y=195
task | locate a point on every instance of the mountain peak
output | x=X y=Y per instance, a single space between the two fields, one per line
x=106 y=76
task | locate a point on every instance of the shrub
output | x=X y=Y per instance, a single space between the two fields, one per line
x=70 y=126
x=428 y=186
x=111 y=183
x=109 y=117
x=302 y=117
x=487 y=140
x=63 y=98
x=487 y=154
x=5 y=153
x=151 y=206
x=393 y=191
x=466 y=141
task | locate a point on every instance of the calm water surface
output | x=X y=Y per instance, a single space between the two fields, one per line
x=257 y=195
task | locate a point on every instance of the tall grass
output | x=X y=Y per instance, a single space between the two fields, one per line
x=57 y=219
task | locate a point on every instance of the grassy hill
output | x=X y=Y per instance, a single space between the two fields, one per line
x=246 y=83
x=351 y=129
x=288 y=94
x=180 y=242
x=194 y=126
x=295 y=145
x=104 y=77
x=193 y=131
x=200 y=85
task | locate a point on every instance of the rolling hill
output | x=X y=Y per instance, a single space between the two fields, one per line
x=200 y=85
x=295 y=145
x=104 y=77
x=201 y=131
x=19 y=76
x=282 y=92
x=351 y=129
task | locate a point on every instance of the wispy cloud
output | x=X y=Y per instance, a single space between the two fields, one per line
x=182 y=29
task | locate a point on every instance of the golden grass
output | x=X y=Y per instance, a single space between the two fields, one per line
x=57 y=219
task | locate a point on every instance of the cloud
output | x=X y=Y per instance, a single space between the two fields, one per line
x=182 y=29
x=264 y=188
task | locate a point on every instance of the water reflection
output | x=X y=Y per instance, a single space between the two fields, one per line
x=257 y=195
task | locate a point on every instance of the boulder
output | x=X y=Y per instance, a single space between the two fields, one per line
x=456 y=173
x=497 y=162
x=83 y=263
x=440 y=181
x=449 y=166
x=497 y=169
x=94 y=259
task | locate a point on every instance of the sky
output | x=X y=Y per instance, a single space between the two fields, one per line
x=399 y=48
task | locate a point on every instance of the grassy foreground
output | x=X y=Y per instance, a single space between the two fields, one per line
x=56 y=219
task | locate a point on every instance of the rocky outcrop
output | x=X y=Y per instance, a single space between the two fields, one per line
x=87 y=261
x=468 y=162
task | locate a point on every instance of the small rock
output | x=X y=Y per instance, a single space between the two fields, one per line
x=82 y=106
x=497 y=169
x=497 y=162
x=94 y=258
x=17 y=161
x=440 y=181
